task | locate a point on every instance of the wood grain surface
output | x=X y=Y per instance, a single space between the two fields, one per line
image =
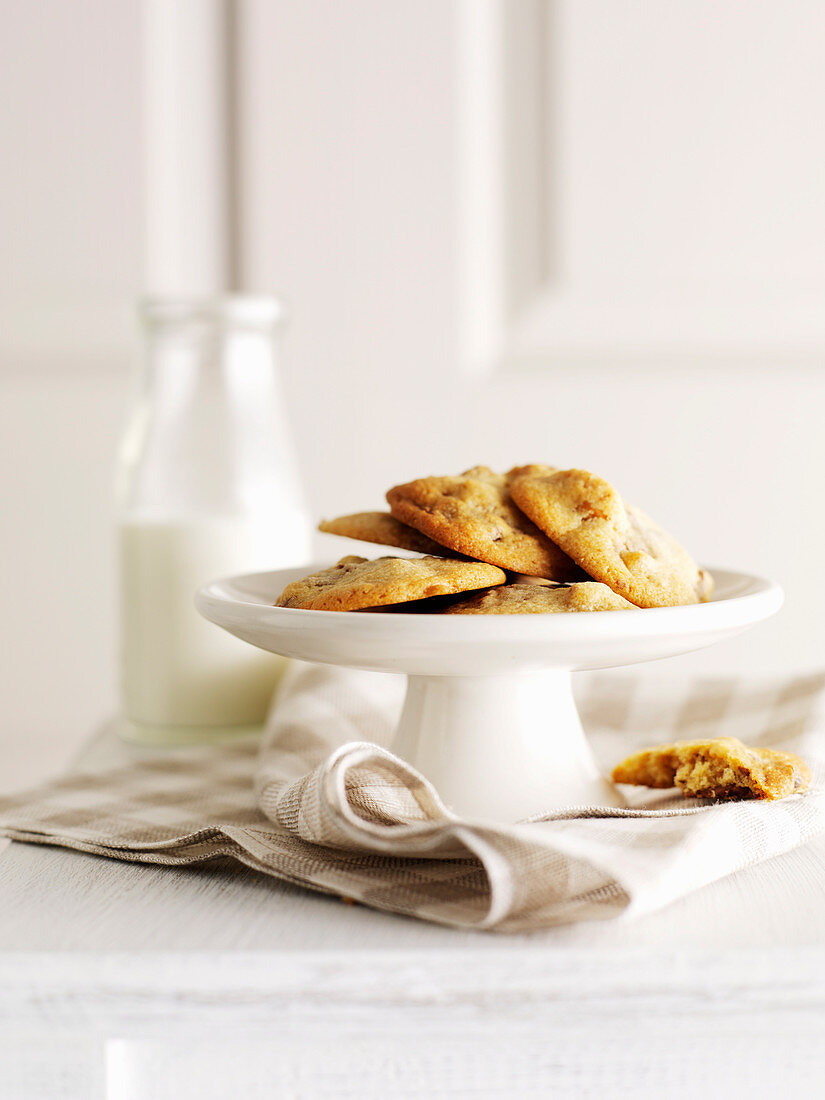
x=126 y=981
x=129 y=981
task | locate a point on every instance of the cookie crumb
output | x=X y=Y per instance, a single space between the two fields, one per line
x=721 y=768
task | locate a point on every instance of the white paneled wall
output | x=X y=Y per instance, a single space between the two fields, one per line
x=360 y=201
x=641 y=296
x=70 y=188
x=71 y=228
x=645 y=180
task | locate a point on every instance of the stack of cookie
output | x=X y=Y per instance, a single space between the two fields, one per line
x=534 y=540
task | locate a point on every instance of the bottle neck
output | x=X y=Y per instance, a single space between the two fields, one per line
x=191 y=344
x=198 y=355
x=208 y=432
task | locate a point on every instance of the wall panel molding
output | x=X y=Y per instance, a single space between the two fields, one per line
x=536 y=136
x=503 y=180
x=189 y=97
x=71 y=190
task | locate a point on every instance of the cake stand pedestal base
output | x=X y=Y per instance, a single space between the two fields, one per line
x=501 y=747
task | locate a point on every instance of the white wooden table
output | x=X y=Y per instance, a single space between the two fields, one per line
x=129 y=982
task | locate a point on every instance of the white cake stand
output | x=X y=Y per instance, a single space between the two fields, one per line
x=489 y=716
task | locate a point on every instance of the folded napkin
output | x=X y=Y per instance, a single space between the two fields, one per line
x=321 y=803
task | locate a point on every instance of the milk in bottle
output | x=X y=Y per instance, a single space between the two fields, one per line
x=207 y=487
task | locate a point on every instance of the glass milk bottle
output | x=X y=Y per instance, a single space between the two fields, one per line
x=206 y=487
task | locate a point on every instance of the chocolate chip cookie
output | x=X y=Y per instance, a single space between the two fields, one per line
x=473 y=514
x=613 y=542
x=385 y=529
x=355 y=583
x=530 y=599
x=720 y=768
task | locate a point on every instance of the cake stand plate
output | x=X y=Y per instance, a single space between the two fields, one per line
x=489 y=716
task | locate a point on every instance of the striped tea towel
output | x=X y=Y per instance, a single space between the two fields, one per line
x=322 y=803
